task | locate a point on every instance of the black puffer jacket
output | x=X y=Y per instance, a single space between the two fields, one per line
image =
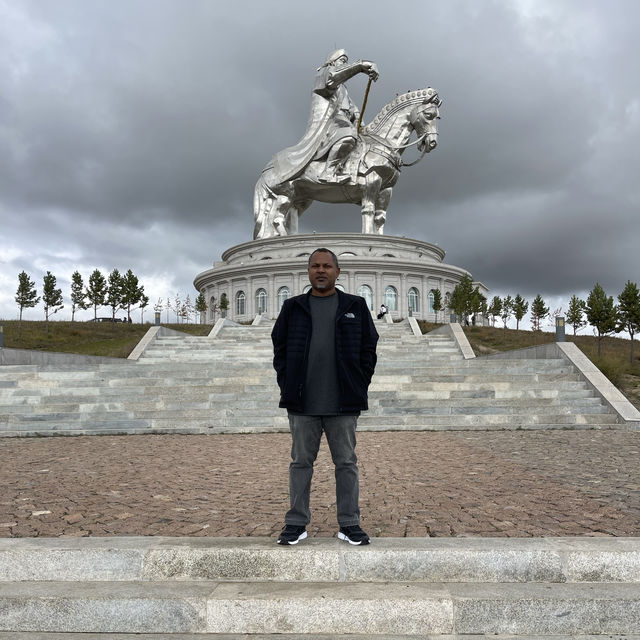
x=356 y=340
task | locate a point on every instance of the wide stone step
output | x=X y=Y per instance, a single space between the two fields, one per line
x=421 y=422
x=443 y=560
x=487 y=385
x=485 y=405
x=286 y=636
x=285 y=607
x=406 y=392
x=404 y=588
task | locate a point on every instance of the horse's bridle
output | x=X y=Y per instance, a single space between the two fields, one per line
x=394 y=148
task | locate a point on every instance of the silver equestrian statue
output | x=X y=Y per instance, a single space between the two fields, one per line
x=336 y=160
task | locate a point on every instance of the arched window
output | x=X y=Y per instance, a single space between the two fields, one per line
x=364 y=290
x=447 y=300
x=261 y=301
x=391 y=298
x=283 y=294
x=306 y=289
x=339 y=286
x=414 y=300
x=212 y=307
x=431 y=299
x=240 y=303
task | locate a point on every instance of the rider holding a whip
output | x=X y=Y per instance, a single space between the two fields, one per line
x=332 y=130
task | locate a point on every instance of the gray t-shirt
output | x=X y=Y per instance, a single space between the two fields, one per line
x=321 y=389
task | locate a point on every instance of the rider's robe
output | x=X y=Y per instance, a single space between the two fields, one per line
x=333 y=116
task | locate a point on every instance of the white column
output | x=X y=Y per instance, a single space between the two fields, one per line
x=272 y=303
x=403 y=305
x=297 y=289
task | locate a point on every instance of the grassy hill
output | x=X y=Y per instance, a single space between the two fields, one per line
x=88 y=338
x=118 y=340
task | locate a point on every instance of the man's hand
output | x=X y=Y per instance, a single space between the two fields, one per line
x=371 y=69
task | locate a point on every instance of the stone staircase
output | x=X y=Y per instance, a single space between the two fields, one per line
x=395 y=588
x=186 y=384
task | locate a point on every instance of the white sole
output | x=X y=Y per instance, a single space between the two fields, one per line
x=345 y=537
x=302 y=536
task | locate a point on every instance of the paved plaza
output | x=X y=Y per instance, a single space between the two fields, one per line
x=517 y=483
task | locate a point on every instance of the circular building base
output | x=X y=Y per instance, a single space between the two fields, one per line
x=256 y=277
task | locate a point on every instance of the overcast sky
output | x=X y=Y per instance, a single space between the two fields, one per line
x=132 y=133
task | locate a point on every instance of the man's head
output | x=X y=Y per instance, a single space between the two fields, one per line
x=339 y=56
x=323 y=272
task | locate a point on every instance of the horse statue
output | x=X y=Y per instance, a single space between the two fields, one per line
x=372 y=169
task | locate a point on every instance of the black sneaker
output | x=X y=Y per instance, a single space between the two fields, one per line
x=291 y=534
x=353 y=535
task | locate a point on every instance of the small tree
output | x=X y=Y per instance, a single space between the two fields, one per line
x=575 y=313
x=188 y=308
x=177 y=307
x=144 y=301
x=158 y=306
x=132 y=292
x=507 y=310
x=461 y=298
x=552 y=317
x=477 y=305
x=114 y=293
x=495 y=309
x=602 y=313
x=78 y=295
x=96 y=292
x=168 y=307
x=26 y=296
x=520 y=308
x=224 y=305
x=51 y=297
x=629 y=312
x=201 y=306
x=539 y=311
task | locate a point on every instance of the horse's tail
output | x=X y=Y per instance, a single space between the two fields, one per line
x=262 y=204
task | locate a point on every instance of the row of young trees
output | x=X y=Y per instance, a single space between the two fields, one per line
x=117 y=291
x=183 y=309
x=598 y=310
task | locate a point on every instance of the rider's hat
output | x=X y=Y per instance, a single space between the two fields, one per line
x=333 y=56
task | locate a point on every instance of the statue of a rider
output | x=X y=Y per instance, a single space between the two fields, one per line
x=332 y=128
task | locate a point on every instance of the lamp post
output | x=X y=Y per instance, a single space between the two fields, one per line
x=560 y=335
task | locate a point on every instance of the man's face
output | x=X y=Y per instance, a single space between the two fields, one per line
x=323 y=273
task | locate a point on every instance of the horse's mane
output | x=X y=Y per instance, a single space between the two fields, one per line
x=400 y=103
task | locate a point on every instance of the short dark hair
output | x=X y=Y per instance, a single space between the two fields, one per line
x=325 y=250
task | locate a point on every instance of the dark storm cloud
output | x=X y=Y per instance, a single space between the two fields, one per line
x=132 y=133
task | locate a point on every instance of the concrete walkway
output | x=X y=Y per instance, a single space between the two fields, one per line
x=413 y=484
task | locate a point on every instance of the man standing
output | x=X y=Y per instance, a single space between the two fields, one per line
x=324 y=354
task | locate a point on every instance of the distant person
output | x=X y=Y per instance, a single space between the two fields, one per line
x=324 y=345
x=383 y=312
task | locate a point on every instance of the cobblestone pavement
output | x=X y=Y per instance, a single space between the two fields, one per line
x=542 y=483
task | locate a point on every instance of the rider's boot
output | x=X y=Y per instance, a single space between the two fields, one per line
x=334 y=167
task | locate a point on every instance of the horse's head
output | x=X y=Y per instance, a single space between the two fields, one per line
x=423 y=119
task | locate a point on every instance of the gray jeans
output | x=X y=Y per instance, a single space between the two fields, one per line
x=306 y=432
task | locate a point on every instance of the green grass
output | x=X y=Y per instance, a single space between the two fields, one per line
x=88 y=338
x=613 y=361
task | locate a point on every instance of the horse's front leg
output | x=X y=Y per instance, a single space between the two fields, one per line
x=370 y=192
x=382 y=204
x=281 y=207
